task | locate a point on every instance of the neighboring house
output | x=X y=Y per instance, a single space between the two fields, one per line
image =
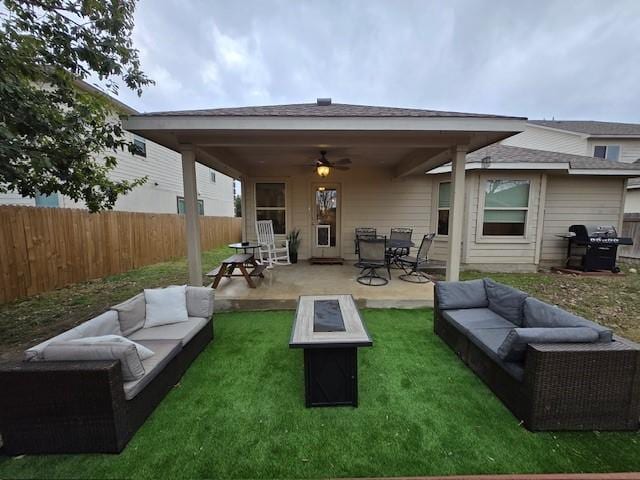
x=515 y=202
x=163 y=191
x=608 y=140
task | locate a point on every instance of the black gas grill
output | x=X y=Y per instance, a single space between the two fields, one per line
x=594 y=247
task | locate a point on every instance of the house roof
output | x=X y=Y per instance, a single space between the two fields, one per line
x=591 y=127
x=316 y=110
x=633 y=183
x=499 y=156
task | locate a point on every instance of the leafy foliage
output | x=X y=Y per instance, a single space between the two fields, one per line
x=57 y=135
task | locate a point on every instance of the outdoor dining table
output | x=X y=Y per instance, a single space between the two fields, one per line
x=244 y=246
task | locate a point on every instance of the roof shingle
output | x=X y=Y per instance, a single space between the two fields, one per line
x=591 y=127
x=508 y=154
x=315 y=110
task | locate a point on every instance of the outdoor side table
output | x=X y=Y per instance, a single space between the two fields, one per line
x=249 y=246
x=330 y=330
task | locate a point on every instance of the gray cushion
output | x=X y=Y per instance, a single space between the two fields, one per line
x=104 y=324
x=514 y=347
x=182 y=331
x=130 y=363
x=164 y=350
x=470 y=318
x=540 y=314
x=468 y=294
x=489 y=340
x=131 y=314
x=506 y=301
x=200 y=302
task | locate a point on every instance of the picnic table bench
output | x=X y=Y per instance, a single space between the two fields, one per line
x=240 y=261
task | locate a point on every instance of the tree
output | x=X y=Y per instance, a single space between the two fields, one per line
x=237 y=204
x=55 y=137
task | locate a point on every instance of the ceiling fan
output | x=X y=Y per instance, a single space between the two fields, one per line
x=324 y=165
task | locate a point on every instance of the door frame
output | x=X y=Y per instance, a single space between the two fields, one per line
x=331 y=251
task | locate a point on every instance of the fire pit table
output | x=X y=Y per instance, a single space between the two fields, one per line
x=330 y=330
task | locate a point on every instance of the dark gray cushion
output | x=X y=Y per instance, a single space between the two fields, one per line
x=470 y=318
x=489 y=340
x=540 y=314
x=131 y=314
x=506 y=301
x=514 y=347
x=468 y=294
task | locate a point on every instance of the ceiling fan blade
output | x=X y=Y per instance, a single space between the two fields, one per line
x=323 y=161
x=338 y=167
x=343 y=161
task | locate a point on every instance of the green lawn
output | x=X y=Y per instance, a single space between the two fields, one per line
x=238 y=413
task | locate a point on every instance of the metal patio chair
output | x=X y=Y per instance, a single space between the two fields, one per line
x=363 y=232
x=270 y=251
x=399 y=244
x=372 y=257
x=412 y=265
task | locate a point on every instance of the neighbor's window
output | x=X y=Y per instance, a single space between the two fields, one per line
x=444 y=200
x=506 y=204
x=181 y=206
x=271 y=205
x=212 y=176
x=139 y=146
x=609 y=152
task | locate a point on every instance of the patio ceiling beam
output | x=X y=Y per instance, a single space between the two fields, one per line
x=192 y=218
x=221 y=160
x=456 y=211
x=324 y=139
x=417 y=163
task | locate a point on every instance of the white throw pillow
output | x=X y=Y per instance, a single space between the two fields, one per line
x=143 y=352
x=165 y=306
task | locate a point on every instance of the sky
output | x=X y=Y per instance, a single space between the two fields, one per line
x=562 y=59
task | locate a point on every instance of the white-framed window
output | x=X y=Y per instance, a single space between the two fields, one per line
x=444 y=203
x=212 y=175
x=505 y=208
x=139 y=146
x=181 y=210
x=608 y=152
x=271 y=204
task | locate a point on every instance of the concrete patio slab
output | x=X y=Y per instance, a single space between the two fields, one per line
x=282 y=285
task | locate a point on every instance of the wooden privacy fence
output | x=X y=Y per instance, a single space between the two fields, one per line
x=631 y=228
x=46 y=248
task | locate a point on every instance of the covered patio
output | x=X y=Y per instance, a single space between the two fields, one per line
x=390 y=149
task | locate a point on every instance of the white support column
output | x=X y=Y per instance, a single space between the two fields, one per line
x=191 y=216
x=243 y=207
x=456 y=211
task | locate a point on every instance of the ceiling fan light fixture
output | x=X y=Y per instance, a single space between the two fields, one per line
x=323 y=170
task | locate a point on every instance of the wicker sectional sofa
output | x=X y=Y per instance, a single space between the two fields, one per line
x=552 y=369
x=86 y=405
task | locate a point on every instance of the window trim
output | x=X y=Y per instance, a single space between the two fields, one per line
x=437 y=211
x=286 y=203
x=200 y=203
x=606 y=149
x=142 y=153
x=526 y=238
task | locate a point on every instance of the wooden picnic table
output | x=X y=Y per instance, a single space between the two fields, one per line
x=240 y=261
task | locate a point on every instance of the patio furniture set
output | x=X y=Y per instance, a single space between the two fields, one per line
x=90 y=388
x=377 y=252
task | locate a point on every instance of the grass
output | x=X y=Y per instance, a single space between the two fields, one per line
x=239 y=413
x=32 y=320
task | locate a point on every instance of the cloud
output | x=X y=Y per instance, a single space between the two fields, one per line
x=538 y=58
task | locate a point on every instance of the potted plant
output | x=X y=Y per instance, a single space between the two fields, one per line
x=294 y=243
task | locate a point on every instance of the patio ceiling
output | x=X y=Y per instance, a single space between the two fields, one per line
x=241 y=145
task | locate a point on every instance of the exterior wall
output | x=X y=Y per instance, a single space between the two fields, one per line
x=163 y=167
x=491 y=254
x=369 y=198
x=549 y=140
x=578 y=199
x=629 y=148
x=632 y=201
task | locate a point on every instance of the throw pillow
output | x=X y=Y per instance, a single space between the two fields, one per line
x=165 y=306
x=143 y=351
x=514 y=347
